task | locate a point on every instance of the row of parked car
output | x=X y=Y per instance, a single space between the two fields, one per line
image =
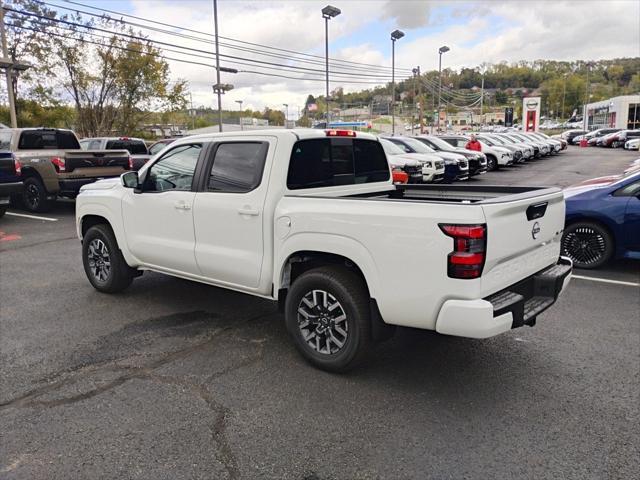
x=605 y=137
x=447 y=158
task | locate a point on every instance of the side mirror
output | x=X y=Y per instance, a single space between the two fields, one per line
x=130 y=180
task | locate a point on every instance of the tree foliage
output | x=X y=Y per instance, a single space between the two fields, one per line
x=113 y=80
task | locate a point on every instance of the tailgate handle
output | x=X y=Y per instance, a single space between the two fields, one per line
x=537 y=210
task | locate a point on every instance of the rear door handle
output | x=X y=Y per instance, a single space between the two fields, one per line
x=249 y=211
x=182 y=206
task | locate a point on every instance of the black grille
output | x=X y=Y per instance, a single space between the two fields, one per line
x=464 y=164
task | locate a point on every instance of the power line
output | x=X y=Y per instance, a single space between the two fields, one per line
x=346 y=62
x=66 y=37
x=190 y=49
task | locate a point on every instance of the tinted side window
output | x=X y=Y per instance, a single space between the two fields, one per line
x=47 y=139
x=339 y=161
x=134 y=147
x=155 y=148
x=237 y=167
x=628 y=191
x=174 y=171
x=370 y=162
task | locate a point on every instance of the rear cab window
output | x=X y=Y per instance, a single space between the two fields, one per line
x=135 y=147
x=5 y=140
x=48 y=140
x=328 y=162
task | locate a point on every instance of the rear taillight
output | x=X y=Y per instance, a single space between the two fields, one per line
x=399 y=176
x=17 y=166
x=469 y=247
x=130 y=162
x=59 y=164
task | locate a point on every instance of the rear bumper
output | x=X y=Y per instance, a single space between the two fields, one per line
x=513 y=307
x=7 y=189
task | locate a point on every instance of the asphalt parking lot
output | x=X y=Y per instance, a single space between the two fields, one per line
x=174 y=379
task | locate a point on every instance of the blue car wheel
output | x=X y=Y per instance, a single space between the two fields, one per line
x=588 y=244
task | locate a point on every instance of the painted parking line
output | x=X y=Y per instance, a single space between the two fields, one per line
x=606 y=280
x=34 y=217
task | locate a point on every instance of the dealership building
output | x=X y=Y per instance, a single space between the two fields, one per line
x=616 y=112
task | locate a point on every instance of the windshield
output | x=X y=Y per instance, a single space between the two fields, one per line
x=417 y=145
x=498 y=140
x=487 y=140
x=440 y=144
x=390 y=148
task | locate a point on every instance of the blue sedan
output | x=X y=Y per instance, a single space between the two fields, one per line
x=603 y=220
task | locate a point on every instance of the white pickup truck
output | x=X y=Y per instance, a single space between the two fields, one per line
x=311 y=219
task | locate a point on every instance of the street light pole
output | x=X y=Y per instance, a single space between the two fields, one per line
x=239 y=102
x=219 y=91
x=585 y=119
x=395 y=35
x=328 y=12
x=564 y=92
x=286 y=114
x=441 y=50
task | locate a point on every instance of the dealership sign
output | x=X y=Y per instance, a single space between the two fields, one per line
x=531 y=113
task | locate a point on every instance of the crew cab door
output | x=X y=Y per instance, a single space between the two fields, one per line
x=228 y=212
x=158 y=220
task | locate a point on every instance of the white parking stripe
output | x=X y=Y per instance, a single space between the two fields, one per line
x=32 y=216
x=606 y=280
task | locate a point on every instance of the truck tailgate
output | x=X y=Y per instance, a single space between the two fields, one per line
x=523 y=237
x=82 y=159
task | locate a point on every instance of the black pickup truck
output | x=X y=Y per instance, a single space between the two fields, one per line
x=10 y=179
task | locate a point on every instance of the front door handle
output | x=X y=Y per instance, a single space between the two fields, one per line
x=249 y=211
x=182 y=206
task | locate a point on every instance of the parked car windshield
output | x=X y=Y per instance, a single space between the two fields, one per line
x=391 y=148
x=48 y=139
x=417 y=145
x=441 y=144
x=5 y=140
x=135 y=147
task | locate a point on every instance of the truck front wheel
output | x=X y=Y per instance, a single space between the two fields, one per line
x=327 y=314
x=103 y=262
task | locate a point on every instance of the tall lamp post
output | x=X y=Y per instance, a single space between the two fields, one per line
x=564 y=93
x=328 y=12
x=239 y=102
x=441 y=50
x=585 y=119
x=286 y=114
x=395 y=35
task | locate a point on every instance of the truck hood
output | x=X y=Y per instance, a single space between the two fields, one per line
x=105 y=184
x=422 y=157
x=450 y=155
x=402 y=161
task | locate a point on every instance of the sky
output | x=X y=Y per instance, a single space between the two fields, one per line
x=476 y=32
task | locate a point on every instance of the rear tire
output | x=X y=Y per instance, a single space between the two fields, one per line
x=104 y=264
x=327 y=314
x=34 y=196
x=588 y=244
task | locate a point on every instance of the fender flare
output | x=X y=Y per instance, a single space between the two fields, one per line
x=328 y=243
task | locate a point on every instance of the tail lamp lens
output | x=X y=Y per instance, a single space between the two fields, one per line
x=130 y=162
x=400 y=177
x=59 y=164
x=341 y=133
x=469 y=247
x=17 y=166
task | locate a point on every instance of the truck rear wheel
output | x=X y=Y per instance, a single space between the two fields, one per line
x=104 y=264
x=327 y=314
x=34 y=196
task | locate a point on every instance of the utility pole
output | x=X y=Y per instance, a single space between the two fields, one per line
x=193 y=113
x=239 y=102
x=420 y=108
x=482 y=101
x=218 y=90
x=414 y=71
x=564 y=92
x=328 y=13
x=8 y=71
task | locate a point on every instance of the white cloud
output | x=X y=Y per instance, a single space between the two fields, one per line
x=476 y=32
